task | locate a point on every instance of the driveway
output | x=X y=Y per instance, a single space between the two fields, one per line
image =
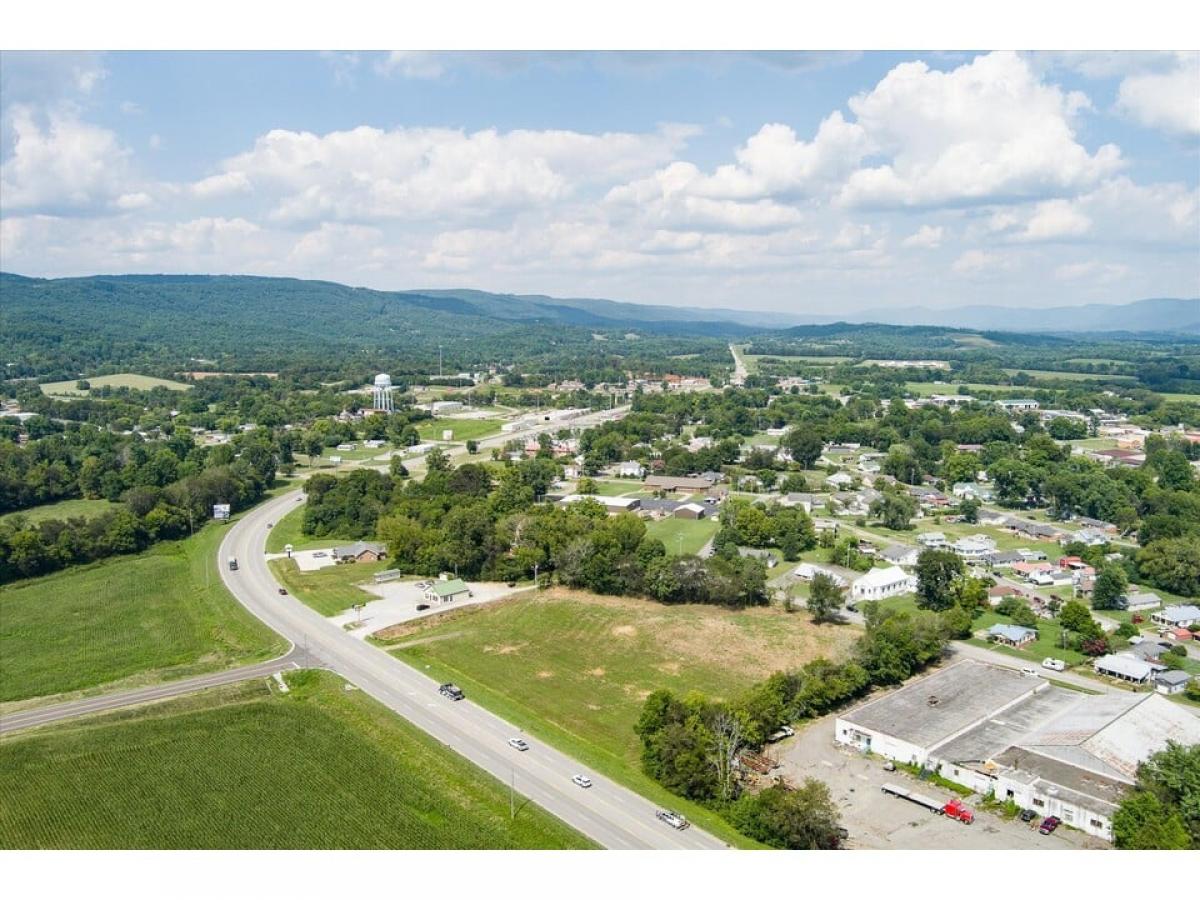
x=398 y=601
x=877 y=821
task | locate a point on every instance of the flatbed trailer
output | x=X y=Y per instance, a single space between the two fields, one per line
x=954 y=808
x=913 y=797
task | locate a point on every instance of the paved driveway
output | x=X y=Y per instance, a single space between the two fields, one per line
x=398 y=601
x=878 y=821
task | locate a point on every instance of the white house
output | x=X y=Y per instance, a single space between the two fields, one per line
x=900 y=554
x=880 y=583
x=839 y=479
x=931 y=539
x=1173 y=681
x=630 y=469
x=1127 y=668
x=975 y=546
x=1177 y=616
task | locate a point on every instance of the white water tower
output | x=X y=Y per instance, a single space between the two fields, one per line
x=383 y=394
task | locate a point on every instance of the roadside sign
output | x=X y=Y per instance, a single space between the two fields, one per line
x=220 y=510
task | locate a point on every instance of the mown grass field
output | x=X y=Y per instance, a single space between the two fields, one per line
x=330 y=590
x=286 y=530
x=125 y=379
x=242 y=767
x=63 y=509
x=682 y=535
x=574 y=668
x=158 y=615
x=464 y=429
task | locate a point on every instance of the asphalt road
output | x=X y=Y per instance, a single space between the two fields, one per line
x=46 y=715
x=609 y=814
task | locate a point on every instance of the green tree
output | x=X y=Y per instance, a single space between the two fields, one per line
x=895 y=510
x=804 y=443
x=802 y=819
x=1110 y=587
x=937 y=571
x=1143 y=822
x=825 y=598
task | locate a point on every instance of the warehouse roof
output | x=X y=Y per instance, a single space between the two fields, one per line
x=930 y=710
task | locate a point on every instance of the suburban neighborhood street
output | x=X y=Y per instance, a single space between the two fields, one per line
x=613 y=816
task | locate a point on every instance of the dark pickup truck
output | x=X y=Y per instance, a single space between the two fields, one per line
x=453 y=691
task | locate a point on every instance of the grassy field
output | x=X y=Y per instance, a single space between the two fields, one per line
x=1070 y=376
x=617 y=487
x=574 y=668
x=287 y=531
x=125 y=379
x=330 y=590
x=682 y=535
x=241 y=767
x=159 y=615
x=464 y=429
x=1180 y=398
x=928 y=388
x=63 y=509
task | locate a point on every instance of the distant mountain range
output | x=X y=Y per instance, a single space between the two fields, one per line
x=131 y=298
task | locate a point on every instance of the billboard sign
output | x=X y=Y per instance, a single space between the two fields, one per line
x=220 y=510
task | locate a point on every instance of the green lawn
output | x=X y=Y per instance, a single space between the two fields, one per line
x=1070 y=376
x=245 y=768
x=63 y=509
x=1048 y=643
x=683 y=535
x=287 y=531
x=330 y=590
x=464 y=429
x=574 y=669
x=125 y=379
x=616 y=487
x=159 y=615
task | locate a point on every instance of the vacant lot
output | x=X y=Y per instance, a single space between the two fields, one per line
x=125 y=379
x=463 y=429
x=682 y=535
x=149 y=617
x=574 y=668
x=331 y=590
x=242 y=768
x=63 y=509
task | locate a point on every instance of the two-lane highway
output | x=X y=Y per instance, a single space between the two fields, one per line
x=608 y=813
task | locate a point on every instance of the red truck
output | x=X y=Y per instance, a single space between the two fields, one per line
x=954 y=809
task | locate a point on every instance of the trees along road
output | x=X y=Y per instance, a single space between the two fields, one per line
x=611 y=815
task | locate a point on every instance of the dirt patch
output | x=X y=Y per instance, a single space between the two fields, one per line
x=668 y=668
x=426 y=640
x=598 y=673
x=625 y=631
x=503 y=649
x=545 y=674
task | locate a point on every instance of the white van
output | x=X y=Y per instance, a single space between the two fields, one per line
x=1028 y=670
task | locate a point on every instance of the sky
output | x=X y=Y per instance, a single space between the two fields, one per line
x=818 y=182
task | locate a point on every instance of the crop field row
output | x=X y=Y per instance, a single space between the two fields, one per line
x=240 y=767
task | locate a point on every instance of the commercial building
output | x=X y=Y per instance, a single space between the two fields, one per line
x=1021 y=739
x=360 y=551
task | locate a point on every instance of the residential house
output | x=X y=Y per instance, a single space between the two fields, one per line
x=809 y=571
x=981 y=492
x=1125 y=668
x=932 y=540
x=900 y=554
x=1173 y=681
x=360 y=551
x=630 y=469
x=974 y=547
x=1011 y=635
x=839 y=480
x=1137 y=601
x=1177 y=616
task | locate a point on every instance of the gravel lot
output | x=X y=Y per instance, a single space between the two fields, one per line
x=878 y=821
x=398 y=603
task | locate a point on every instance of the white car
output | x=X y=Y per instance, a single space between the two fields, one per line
x=583 y=781
x=1056 y=664
x=517 y=744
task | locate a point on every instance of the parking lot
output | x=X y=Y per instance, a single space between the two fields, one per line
x=880 y=822
x=398 y=601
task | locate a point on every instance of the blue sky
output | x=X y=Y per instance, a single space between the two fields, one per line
x=800 y=182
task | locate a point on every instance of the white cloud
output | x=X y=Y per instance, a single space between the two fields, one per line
x=367 y=174
x=973 y=262
x=987 y=130
x=928 y=237
x=1055 y=219
x=1169 y=101
x=418 y=64
x=67 y=167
